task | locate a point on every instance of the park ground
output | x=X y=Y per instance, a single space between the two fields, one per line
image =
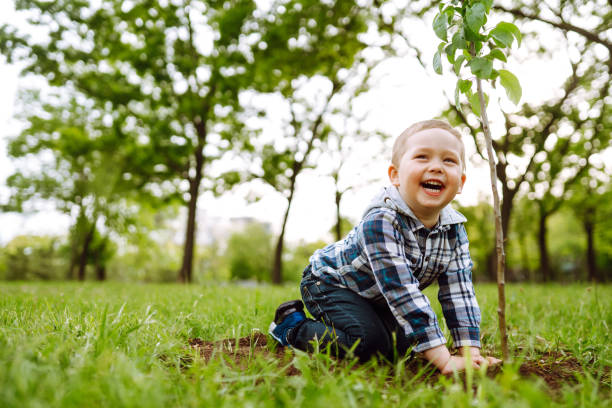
x=121 y=345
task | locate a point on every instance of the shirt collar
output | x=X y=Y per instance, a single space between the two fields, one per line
x=448 y=215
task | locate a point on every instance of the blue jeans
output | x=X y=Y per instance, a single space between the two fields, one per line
x=343 y=318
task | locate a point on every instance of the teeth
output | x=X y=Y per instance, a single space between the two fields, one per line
x=433 y=185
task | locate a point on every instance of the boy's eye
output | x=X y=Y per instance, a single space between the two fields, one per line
x=449 y=160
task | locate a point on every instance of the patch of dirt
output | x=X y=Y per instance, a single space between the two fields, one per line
x=554 y=368
x=241 y=351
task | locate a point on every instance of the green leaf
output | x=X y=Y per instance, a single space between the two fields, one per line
x=496 y=53
x=505 y=33
x=514 y=30
x=470 y=35
x=440 y=25
x=437 y=63
x=481 y=67
x=475 y=104
x=487 y=4
x=458 y=62
x=476 y=17
x=511 y=84
x=465 y=86
x=457 y=101
x=459 y=40
x=450 y=53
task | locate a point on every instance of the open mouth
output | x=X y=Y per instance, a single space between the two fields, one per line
x=432 y=186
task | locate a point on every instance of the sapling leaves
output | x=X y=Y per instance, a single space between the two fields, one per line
x=480 y=51
x=481 y=67
x=496 y=53
x=437 y=63
x=511 y=84
x=504 y=34
x=480 y=48
x=458 y=63
x=475 y=17
x=440 y=25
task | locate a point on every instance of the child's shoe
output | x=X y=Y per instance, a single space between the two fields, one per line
x=288 y=315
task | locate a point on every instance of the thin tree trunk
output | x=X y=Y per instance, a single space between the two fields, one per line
x=338 y=216
x=499 y=242
x=525 y=257
x=85 y=252
x=101 y=273
x=543 y=248
x=591 y=259
x=73 y=261
x=507 y=205
x=277 y=268
x=185 y=273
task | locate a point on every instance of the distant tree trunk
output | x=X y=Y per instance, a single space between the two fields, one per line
x=525 y=256
x=101 y=272
x=73 y=261
x=591 y=259
x=338 y=227
x=507 y=204
x=185 y=273
x=85 y=252
x=543 y=248
x=277 y=268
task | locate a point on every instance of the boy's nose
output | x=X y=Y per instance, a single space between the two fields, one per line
x=435 y=166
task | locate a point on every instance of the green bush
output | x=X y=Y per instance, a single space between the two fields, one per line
x=249 y=253
x=29 y=257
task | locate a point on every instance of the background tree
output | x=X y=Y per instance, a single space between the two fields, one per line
x=590 y=202
x=168 y=72
x=347 y=142
x=529 y=132
x=307 y=61
x=81 y=168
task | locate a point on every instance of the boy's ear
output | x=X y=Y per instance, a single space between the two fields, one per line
x=461 y=184
x=393 y=175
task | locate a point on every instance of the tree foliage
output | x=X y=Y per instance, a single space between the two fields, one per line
x=169 y=74
x=311 y=53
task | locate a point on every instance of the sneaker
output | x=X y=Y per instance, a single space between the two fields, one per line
x=288 y=315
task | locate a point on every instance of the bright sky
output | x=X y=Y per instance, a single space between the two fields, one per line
x=405 y=94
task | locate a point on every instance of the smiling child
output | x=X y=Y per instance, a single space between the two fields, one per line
x=365 y=291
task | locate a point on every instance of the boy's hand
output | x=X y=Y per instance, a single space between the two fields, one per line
x=441 y=358
x=477 y=359
x=456 y=363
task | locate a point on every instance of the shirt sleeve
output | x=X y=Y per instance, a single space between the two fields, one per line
x=384 y=247
x=456 y=294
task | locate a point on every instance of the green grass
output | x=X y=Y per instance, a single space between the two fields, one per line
x=113 y=344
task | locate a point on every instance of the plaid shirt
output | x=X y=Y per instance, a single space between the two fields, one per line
x=390 y=256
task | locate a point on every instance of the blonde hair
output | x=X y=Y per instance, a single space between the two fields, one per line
x=400 y=145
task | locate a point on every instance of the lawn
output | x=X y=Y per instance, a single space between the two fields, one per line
x=114 y=344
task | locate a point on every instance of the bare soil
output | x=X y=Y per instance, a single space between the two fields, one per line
x=556 y=368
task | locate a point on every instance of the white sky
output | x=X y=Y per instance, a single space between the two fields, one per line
x=405 y=94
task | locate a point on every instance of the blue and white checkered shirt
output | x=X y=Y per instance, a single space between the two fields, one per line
x=391 y=256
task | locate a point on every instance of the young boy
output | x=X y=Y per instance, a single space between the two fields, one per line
x=365 y=292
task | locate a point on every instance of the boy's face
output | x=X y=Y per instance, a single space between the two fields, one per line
x=429 y=173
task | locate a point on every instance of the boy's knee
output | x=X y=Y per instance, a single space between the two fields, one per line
x=372 y=342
